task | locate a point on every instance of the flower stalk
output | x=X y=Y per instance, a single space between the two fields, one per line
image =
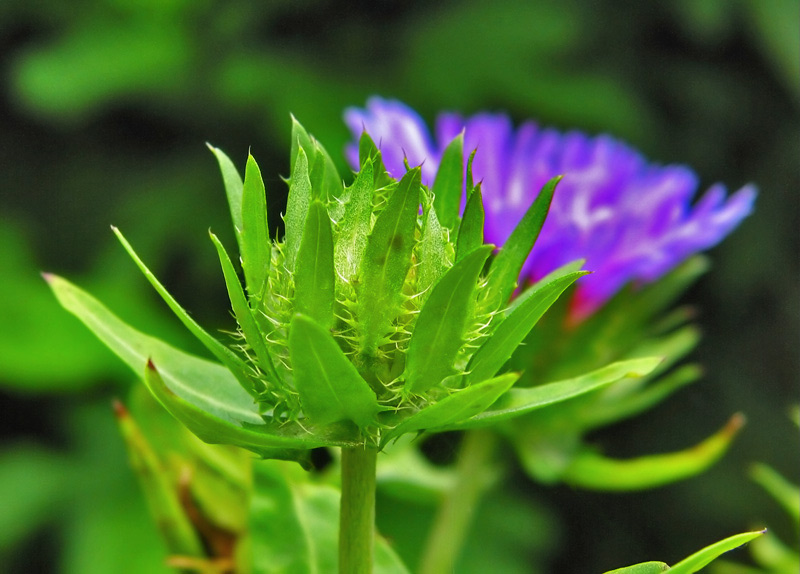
x=357 y=511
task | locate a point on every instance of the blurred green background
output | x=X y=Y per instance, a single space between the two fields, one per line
x=104 y=110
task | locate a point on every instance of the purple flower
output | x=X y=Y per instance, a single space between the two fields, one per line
x=631 y=220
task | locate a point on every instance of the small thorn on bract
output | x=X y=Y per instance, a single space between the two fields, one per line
x=47 y=276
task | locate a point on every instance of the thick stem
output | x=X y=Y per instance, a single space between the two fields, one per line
x=454 y=517
x=357 y=514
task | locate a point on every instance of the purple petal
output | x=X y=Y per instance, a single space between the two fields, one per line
x=631 y=220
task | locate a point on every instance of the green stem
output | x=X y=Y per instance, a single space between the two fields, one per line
x=357 y=514
x=454 y=517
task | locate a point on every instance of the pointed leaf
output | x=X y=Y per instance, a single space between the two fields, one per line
x=314 y=273
x=202 y=411
x=448 y=186
x=783 y=491
x=201 y=394
x=508 y=263
x=387 y=259
x=233 y=190
x=463 y=404
x=297 y=207
x=442 y=322
x=244 y=315
x=227 y=357
x=353 y=230
x=156 y=482
x=367 y=150
x=470 y=231
x=643 y=568
x=512 y=330
x=594 y=471
x=256 y=248
x=330 y=387
x=330 y=184
x=520 y=401
x=710 y=553
x=432 y=254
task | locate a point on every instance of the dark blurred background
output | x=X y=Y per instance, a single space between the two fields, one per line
x=105 y=106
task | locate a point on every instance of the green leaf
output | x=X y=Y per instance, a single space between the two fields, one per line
x=520 y=401
x=470 y=231
x=352 y=231
x=591 y=470
x=322 y=167
x=330 y=387
x=244 y=315
x=449 y=183
x=643 y=568
x=508 y=263
x=708 y=554
x=227 y=357
x=520 y=320
x=459 y=406
x=203 y=395
x=297 y=205
x=256 y=247
x=314 y=273
x=201 y=410
x=233 y=190
x=367 y=150
x=294 y=525
x=783 y=491
x=439 y=332
x=432 y=254
x=616 y=408
x=387 y=259
x=160 y=492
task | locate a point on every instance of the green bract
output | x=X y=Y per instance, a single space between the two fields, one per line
x=380 y=312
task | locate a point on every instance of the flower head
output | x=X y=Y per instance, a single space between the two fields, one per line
x=631 y=220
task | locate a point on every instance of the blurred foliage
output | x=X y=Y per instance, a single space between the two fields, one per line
x=105 y=105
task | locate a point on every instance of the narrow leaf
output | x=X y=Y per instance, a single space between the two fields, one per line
x=330 y=387
x=367 y=150
x=223 y=426
x=297 y=207
x=201 y=394
x=160 y=492
x=432 y=252
x=520 y=401
x=594 y=471
x=233 y=190
x=459 y=406
x=244 y=314
x=508 y=263
x=352 y=231
x=448 y=187
x=387 y=259
x=314 y=274
x=470 y=231
x=227 y=357
x=256 y=248
x=783 y=491
x=330 y=184
x=643 y=568
x=513 y=329
x=710 y=553
x=442 y=322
